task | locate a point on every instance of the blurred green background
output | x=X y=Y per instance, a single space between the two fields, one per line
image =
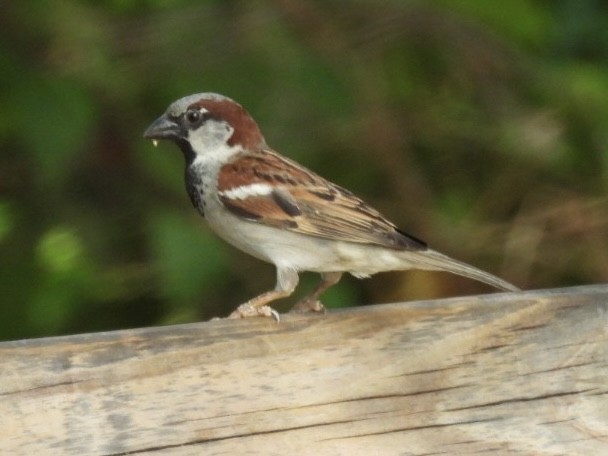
x=479 y=126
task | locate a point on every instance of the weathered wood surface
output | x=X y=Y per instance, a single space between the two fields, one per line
x=519 y=373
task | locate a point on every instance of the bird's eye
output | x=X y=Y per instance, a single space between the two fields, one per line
x=193 y=116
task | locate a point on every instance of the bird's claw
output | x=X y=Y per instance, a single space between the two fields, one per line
x=248 y=310
x=308 y=305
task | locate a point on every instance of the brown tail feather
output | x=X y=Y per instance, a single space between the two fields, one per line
x=435 y=261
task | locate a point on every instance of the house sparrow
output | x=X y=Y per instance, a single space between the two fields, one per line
x=280 y=212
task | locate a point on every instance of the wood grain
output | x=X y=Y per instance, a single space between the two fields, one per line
x=522 y=373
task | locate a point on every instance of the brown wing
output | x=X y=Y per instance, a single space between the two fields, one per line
x=267 y=188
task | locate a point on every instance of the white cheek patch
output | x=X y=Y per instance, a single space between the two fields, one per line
x=211 y=141
x=247 y=191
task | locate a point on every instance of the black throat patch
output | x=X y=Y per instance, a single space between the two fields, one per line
x=195 y=188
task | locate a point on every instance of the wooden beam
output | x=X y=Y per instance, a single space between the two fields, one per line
x=493 y=374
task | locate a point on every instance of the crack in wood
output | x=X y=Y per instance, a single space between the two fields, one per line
x=434 y=371
x=41 y=387
x=521 y=399
x=235 y=436
x=492 y=348
x=419 y=428
x=554 y=369
x=394 y=396
x=324 y=404
x=528 y=328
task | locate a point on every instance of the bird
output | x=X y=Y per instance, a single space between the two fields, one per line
x=278 y=211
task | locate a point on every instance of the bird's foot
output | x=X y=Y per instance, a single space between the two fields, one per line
x=248 y=310
x=308 y=305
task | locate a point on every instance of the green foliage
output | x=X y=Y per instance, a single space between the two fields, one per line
x=7 y=220
x=190 y=260
x=66 y=276
x=56 y=138
x=480 y=127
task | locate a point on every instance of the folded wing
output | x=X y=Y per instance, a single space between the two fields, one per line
x=269 y=189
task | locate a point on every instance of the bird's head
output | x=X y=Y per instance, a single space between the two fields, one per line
x=206 y=123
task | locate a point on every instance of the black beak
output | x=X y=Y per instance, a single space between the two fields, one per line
x=163 y=128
